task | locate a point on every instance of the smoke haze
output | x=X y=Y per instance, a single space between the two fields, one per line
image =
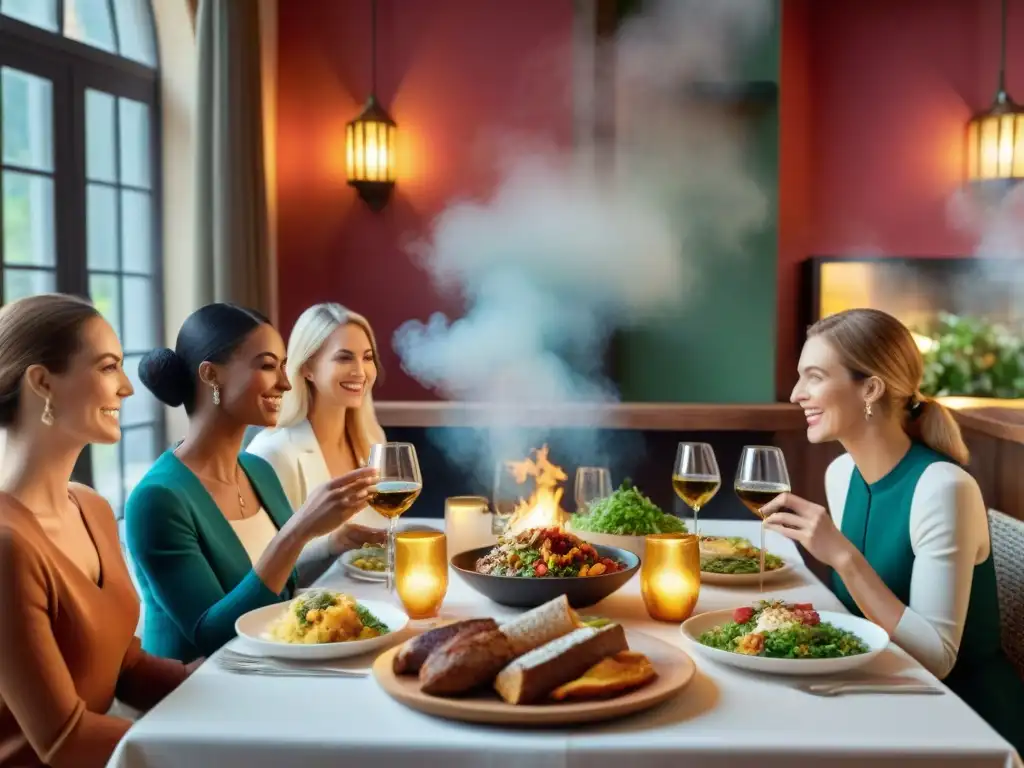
x=564 y=253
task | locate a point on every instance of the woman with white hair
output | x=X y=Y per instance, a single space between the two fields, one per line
x=327 y=422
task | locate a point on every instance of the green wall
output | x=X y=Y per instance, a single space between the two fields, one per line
x=718 y=344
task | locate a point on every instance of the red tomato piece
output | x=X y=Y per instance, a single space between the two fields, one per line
x=540 y=569
x=743 y=615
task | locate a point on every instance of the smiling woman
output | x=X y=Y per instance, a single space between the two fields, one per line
x=327 y=421
x=61 y=388
x=212 y=532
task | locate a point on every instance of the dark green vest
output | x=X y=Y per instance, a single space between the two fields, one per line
x=876 y=519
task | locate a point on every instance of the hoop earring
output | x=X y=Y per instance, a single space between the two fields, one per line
x=47 y=417
x=216 y=395
x=867 y=412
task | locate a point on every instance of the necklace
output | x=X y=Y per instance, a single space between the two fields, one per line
x=238 y=489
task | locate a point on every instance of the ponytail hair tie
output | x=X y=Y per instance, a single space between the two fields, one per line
x=914 y=405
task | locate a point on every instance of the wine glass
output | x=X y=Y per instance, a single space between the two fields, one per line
x=696 y=478
x=592 y=484
x=508 y=495
x=760 y=477
x=398 y=485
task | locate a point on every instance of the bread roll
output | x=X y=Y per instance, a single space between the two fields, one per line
x=465 y=662
x=414 y=652
x=541 y=625
x=530 y=678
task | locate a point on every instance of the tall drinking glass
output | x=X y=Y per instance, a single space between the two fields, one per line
x=398 y=485
x=508 y=494
x=592 y=484
x=696 y=478
x=760 y=477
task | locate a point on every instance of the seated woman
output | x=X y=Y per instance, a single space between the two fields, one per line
x=908 y=537
x=68 y=609
x=327 y=422
x=210 y=530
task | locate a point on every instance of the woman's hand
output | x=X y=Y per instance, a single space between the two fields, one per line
x=330 y=505
x=355 y=536
x=809 y=524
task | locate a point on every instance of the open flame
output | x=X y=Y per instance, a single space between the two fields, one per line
x=543 y=509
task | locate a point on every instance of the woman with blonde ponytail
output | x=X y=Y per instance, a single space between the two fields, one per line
x=327 y=421
x=907 y=538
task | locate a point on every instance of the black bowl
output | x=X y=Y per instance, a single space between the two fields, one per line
x=526 y=592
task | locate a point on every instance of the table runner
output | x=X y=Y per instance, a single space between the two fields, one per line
x=725 y=717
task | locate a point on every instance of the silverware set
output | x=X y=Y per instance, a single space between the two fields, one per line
x=840 y=687
x=232 y=661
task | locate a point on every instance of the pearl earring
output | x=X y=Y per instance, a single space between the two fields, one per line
x=216 y=395
x=867 y=411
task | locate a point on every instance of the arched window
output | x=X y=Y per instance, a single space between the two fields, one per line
x=80 y=187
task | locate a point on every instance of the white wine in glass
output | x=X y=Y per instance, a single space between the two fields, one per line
x=398 y=486
x=760 y=477
x=696 y=478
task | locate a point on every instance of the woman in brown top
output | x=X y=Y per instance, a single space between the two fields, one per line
x=68 y=609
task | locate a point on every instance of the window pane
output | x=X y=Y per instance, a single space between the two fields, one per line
x=27 y=119
x=140 y=451
x=140 y=331
x=106 y=473
x=135 y=30
x=142 y=406
x=19 y=283
x=42 y=13
x=28 y=219
x=134 y=143
x=103 y=290
x=99 y=136
x=101 y=226
x=89 y=21
x=136 y=236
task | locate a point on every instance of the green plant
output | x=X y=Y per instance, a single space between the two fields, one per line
x=973 y=356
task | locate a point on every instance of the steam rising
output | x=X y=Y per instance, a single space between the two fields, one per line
x=565 y=252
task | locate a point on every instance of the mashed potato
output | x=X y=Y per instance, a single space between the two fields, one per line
x=322 y=616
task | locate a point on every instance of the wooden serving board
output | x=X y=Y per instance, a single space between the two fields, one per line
x=674 y=666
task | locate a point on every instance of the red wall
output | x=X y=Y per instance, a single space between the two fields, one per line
x=874 y=99
x=459 y=77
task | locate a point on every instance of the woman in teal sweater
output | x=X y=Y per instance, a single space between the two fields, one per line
x=210 y=531
x=908 y=537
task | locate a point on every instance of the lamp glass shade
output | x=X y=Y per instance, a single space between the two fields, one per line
x=370 y=146
x=995 y=144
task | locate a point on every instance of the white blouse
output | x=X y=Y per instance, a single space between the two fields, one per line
x=255 y=533
x=949 y=535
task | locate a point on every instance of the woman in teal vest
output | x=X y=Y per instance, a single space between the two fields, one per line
x=908 y=538
x=209 y=529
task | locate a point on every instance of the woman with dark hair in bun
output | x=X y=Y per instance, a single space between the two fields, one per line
x=68 y=609
x=210 y=530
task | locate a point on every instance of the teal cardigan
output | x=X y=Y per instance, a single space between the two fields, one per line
x=195 y=576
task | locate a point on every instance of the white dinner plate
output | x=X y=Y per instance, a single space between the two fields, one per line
x=871 y=634
x=358 y=573
x=743 y=579
x=252 y=627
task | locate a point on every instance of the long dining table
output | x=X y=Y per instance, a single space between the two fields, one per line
x=724 y=717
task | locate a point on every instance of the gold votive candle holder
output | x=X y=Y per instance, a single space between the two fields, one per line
x=421 y=572
x=670 y=575
x=467 y=524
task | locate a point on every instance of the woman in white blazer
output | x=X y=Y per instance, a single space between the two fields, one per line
x=327 y=421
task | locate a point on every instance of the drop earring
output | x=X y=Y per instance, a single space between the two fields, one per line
x=47 y=417
x=216 y=395
x=867 y=411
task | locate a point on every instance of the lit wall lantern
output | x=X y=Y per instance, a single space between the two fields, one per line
x=995 y=138
x=370 y=140
x=370 y=154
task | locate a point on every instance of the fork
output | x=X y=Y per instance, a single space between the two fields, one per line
x=839 y=688
x=233 y=661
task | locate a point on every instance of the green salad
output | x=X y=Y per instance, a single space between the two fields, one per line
x=627 y=512
x=734 y=555
x=781 y=630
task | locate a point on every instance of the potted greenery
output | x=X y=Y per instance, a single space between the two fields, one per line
x=972 y=357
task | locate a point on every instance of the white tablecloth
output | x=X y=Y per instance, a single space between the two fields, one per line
x=725 y=717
